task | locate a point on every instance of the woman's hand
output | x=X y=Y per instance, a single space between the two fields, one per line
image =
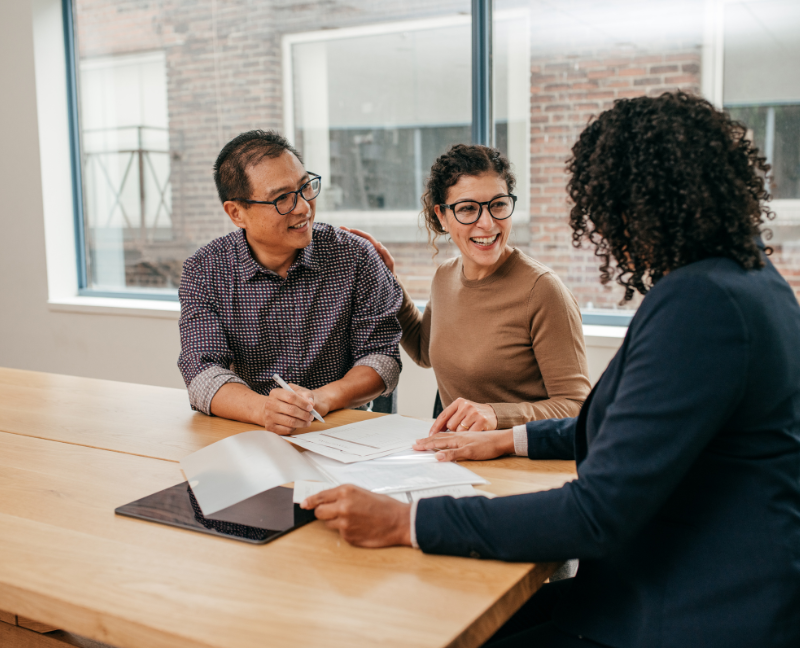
x=472 y=446
x=362 y=518
x=388 y=259
x=462 y=415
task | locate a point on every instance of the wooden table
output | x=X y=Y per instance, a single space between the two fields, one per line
x=73 y=449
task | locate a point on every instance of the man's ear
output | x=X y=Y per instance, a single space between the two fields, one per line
x=234 y=211
x=442 y=218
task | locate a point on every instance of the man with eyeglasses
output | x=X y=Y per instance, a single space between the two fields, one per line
x=283 y=295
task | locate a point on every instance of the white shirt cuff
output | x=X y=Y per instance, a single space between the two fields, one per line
x=413 y=522
x=520 y=440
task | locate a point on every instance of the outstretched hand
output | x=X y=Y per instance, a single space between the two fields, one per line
x=388 y=259
x=470 y=446
x=362 y=518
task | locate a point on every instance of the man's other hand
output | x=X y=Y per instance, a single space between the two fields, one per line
x=362 y=518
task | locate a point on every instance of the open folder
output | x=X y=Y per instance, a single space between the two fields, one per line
x=241 y=466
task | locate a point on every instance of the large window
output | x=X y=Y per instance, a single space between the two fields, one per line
x=372 y=92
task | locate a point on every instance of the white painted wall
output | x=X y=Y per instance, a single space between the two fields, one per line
x=43 y=326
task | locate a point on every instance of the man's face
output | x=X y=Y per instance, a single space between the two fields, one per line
x=266 y=229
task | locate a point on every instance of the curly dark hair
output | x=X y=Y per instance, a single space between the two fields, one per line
x=460 y=160
x=660 y=182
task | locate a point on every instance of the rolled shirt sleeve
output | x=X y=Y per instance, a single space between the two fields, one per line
x=205 y=360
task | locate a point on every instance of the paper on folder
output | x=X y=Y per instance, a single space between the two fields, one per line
x=237 y=468
x=364 y=440
x=304 y=489
x=382 y=476
x=229 y=471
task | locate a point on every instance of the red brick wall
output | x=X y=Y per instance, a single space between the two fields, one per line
x=224 y=76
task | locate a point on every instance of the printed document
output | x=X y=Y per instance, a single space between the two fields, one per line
x=234 y=469
x=364 y=440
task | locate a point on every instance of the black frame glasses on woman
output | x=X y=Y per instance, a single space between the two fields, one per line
x=309 y=191
x=496 y=207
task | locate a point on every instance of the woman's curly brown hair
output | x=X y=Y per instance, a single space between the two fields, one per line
x=459 y=160
x=658 y=183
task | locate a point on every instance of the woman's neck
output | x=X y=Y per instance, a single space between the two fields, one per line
x=474 y=271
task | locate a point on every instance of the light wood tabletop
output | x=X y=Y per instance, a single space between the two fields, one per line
x=73 y=449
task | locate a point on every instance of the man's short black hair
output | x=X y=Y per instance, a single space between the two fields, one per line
x=247 y=149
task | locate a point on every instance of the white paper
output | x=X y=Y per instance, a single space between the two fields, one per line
x=304 y=489
x=382 y=476
x=229 y=471
x=364 y=440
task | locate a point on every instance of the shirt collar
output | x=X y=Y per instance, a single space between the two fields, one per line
x=249 y=267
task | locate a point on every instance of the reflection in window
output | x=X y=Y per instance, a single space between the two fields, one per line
x=762 y=90
x=126 y=165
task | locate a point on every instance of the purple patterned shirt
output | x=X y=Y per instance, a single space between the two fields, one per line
x=336 y=309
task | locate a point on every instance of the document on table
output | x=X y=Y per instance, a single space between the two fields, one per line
x=387 y=476
x=304 y=489
x=364 y=440
x=229 y=471
x=234 y=469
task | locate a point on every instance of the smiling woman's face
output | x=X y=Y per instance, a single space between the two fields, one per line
x=483 y=244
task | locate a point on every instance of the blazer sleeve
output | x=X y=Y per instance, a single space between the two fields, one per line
x=551 y=438
x=684 y=373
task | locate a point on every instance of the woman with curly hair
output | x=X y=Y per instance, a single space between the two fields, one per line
x=686 y=512
x=501 y=331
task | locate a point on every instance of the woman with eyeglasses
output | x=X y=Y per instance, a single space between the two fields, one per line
x=501 y=331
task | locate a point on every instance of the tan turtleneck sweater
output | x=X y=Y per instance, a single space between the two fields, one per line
x=513 y=339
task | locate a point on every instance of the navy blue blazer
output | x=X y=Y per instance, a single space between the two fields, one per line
x=686 y=511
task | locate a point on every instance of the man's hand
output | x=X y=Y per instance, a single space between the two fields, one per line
x=362 y=518
x=284 y=411
x=462 y=415
x=384 y=254
x=471 y=446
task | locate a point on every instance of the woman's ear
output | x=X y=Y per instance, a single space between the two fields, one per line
x=442 y=218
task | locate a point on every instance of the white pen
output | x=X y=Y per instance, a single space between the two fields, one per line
x=285 y=385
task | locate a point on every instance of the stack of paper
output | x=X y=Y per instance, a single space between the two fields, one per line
x=304 y=489
x=242 y=466
x=364 y=440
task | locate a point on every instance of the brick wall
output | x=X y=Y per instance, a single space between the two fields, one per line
x=224 y=76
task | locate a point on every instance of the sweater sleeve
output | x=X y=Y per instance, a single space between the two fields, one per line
x=558 y=346
x=416 y=330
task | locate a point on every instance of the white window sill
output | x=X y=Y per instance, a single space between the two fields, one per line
x=117 y=306
x=595 y=335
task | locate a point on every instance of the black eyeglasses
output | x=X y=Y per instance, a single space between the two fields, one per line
x=285 y=203
x=469 y=211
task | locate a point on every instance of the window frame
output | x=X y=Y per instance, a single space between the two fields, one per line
x=482 y=22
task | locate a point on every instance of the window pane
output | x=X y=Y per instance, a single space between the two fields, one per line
x=370 y=92
x=373 y=107
x=578 y=56
x=762 y=90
